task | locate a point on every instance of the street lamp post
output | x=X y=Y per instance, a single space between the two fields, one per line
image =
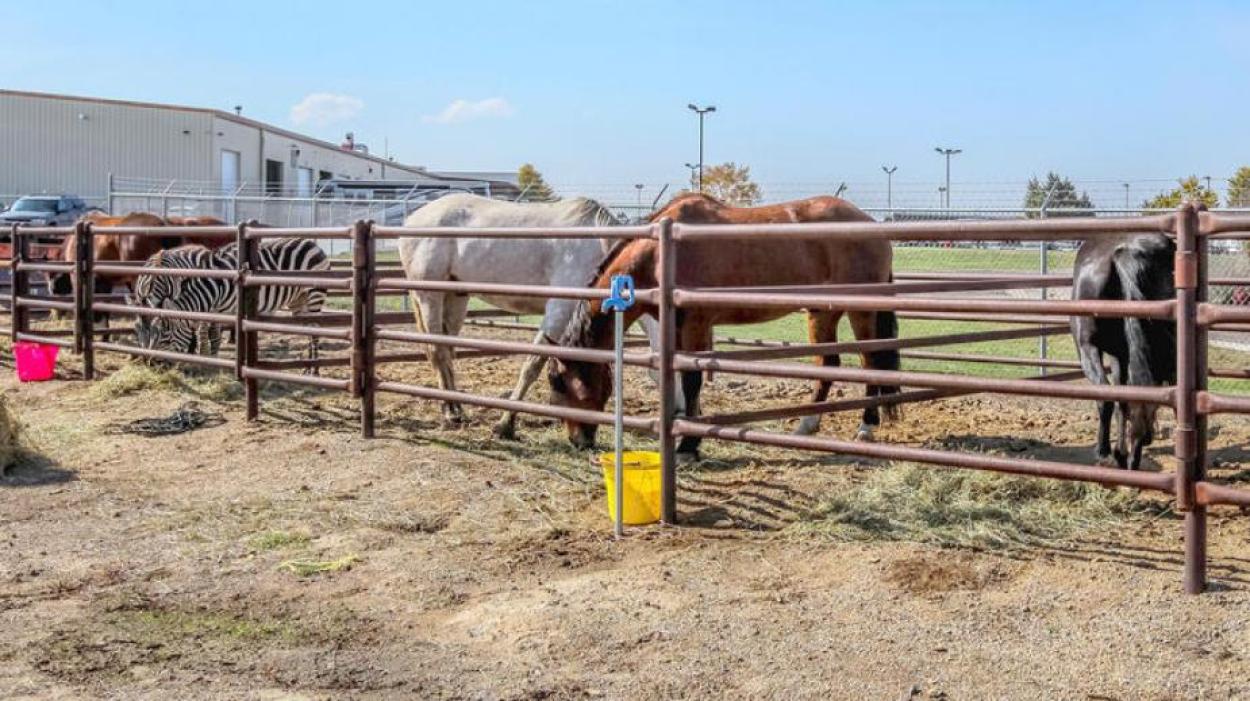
x=638 y=187
x=948 y=152
x=1126 y=204
x=889 y=186
x=701 y=111
x=694 y=174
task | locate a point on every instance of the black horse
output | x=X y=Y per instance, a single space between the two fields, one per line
x=1141 y=352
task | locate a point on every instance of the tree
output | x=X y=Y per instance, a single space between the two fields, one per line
x=1239 y=188
x=1062 y=196
x=1190 y=189
x=731 y=184
x=533 y=187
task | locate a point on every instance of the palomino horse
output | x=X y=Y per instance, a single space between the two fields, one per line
x=1141 y=351
x=547 y=262
x=757 y=261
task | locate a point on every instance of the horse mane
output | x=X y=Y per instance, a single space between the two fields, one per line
x=594 y=213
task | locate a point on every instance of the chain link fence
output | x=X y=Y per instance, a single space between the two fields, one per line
x=632 y=204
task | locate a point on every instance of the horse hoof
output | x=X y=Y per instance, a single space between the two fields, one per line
x=687 y=458
x=808 y=426
x=505 y=430
x=1106 y=461
x=862 y=436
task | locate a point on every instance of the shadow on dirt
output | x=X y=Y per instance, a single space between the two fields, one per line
x=34 y=470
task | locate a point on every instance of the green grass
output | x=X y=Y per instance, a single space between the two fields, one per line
x=925 y=259
x=274 y=540
x=157 y=625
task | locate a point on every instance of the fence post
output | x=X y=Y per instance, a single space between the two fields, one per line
x=1043 y=341
x=85 y=300
x=362 y=384
x=18 y=286
x=1190 y=428
x=667 y=269
x=247 y=344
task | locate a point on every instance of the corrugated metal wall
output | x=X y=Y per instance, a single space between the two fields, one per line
x=66 y=145
x=54 y=144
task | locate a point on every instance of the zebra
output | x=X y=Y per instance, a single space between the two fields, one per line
x=220 y=296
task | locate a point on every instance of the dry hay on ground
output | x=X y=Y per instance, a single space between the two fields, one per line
x=10 y=436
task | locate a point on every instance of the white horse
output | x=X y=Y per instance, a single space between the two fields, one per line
x=540 y=261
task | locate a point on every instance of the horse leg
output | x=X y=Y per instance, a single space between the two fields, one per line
x=692 y=336
x=1121 y=448
x=428 y=311
x=651 y=328
x=506 y=428
x=556 y=317
x=1092 y=365
x=871 y=326
x=455 y=310
x=822 y=327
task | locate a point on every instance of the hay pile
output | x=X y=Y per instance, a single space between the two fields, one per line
x=969 y=509
x=10 y=436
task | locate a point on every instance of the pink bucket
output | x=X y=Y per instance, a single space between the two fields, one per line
x=36 y=362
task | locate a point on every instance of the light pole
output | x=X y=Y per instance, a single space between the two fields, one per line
x=948 y=152
x=1126 y=204
x=889 y=186
x=638 y=187
x=701 y=111
x=694 y=174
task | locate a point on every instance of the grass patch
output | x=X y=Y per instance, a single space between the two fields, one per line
x=275 y=540
x=138 y=377
x=968 y=509
x=308 y=568
x=158 y=624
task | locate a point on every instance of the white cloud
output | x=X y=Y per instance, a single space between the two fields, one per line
x=320 y=109
x=465 y=110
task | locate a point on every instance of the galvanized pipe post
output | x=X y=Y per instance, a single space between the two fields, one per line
x=1188 y=384
x=362 y=338
x=667 y=269
x=247 y=344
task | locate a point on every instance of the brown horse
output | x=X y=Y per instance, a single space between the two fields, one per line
x=127 y=248
x=758 y=261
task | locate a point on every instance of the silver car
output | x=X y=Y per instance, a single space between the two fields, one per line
x=45 y=210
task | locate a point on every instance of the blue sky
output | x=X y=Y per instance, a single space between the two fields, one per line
x=595 y=92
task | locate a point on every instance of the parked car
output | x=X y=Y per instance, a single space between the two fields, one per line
x=45 y=210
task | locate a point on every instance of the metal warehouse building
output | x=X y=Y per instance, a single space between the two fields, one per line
x=59 y=143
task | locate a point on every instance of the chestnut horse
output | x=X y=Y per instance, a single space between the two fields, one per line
x=757 y=261
x=128 y=248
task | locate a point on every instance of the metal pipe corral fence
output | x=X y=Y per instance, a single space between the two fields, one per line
x=363 y=281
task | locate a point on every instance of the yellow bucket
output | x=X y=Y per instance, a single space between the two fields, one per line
x=641 y=493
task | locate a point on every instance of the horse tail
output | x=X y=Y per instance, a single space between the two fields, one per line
x=1143 y=270
x=887 y=327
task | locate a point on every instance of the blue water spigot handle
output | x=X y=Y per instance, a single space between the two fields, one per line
x=621 y=294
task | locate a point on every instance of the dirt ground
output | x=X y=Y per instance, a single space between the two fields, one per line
x=458 y=566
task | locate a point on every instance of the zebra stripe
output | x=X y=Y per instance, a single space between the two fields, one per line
x=220 y=296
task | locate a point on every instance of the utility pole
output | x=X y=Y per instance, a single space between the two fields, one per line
x=701 y=111
x=889 y=186
x=948 y=152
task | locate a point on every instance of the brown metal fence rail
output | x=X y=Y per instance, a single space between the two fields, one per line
x=912 y=296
